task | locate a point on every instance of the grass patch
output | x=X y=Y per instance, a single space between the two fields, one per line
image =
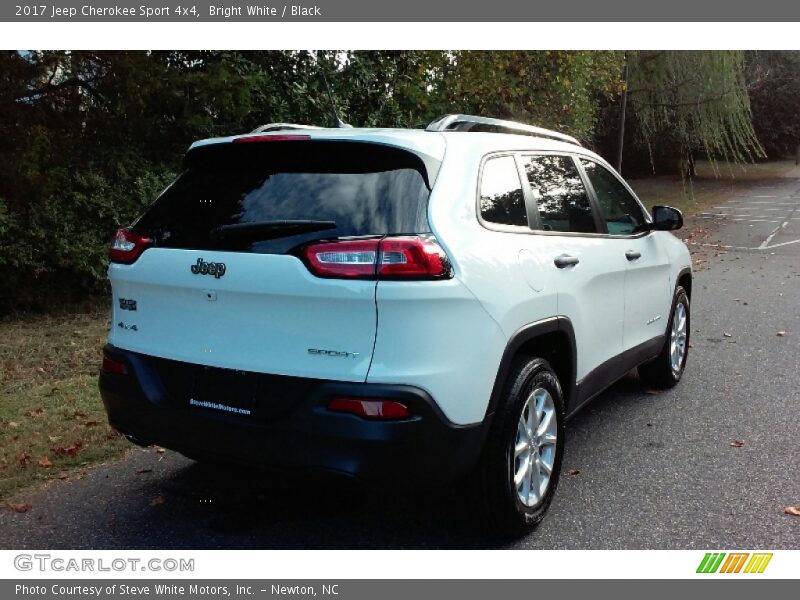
x=708 y=188
x=51 y=418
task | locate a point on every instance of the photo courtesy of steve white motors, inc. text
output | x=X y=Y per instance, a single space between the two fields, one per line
x=170 y=11
x=158 y=589
x=168 y=589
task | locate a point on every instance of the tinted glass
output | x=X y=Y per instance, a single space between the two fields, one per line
x=559 y=193
x=620 y=210
x=502 y=200
x=365 y=189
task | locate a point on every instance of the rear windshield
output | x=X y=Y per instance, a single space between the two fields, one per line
x=269 y=189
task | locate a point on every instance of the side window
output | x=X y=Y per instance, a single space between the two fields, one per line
x=502 y=200
x=560 y=195
x=621 y=212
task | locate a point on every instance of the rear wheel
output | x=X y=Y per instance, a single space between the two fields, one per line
x=666 y=370
x=521 y=463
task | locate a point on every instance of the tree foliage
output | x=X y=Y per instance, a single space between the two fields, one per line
x=773 y=79
x=690 y=102
x=87 y=139
x=554 y=89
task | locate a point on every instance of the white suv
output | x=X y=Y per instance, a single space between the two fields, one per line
x=401 y=306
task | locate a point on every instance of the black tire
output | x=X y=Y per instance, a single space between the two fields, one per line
x=659 y=373
x=505 y=514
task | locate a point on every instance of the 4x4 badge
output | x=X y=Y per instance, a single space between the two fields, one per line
x=208 y=268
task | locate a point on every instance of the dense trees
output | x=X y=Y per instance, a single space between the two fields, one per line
x=88 y=138
x=773 y=80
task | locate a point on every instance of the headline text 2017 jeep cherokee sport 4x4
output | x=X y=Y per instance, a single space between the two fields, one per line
x=404 y=306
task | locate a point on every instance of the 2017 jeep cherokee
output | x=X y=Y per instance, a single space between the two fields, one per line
x=402 y=306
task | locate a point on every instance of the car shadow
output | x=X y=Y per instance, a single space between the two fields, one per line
x=211 y=505
x=255 y=508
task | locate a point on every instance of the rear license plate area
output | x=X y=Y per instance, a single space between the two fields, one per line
x=225 y=391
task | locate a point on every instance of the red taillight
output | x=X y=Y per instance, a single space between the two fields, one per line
x=409 y=257
x=271 y=138
x=112 y=366
x=370 y=408
x=127 y=247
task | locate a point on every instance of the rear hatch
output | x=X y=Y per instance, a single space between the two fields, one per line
x=222 y=280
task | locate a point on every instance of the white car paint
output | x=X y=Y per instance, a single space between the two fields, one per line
x=446 y=337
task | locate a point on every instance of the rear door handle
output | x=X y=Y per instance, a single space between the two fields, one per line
x=565 y=260
x=633 y=255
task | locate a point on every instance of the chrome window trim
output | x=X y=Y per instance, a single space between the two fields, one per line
x=590 y=191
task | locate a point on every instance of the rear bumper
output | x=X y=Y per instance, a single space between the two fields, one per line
x=423 y=451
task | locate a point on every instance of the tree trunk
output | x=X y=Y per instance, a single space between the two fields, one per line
x=623 y=104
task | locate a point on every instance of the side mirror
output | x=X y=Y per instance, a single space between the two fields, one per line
x=666 y=218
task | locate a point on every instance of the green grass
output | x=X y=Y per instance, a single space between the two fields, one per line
x=52 y=421
x=708 y=188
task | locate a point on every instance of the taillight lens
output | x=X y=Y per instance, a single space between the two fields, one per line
x=113 y=366
x=412 y=258
x=347 y=260
x=409 y=257
x=370 y=408
x=127 y=247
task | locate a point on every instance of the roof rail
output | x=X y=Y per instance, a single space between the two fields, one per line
x=485 y=124
x=282 y=127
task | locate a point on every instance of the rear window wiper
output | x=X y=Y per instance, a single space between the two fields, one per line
x=268 y=230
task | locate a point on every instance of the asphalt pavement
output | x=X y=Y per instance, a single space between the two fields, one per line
x=710 y=464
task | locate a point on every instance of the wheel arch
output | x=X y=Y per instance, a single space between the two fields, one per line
x=552 y=339
x=685 y=281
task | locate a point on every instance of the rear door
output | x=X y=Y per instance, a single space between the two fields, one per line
x=588 y=275
x=224 y=282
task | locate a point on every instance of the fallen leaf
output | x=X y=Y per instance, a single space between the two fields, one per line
x=691 y=345
x=792 y=510
x=92 y=423
x=45 y=462
x=160 y=450
x=737 y=444
x=54 y=438
x=144 y=470
x=78 y=414
x=68 y=450
x=574 y=472
x=34 y=412
x=653 y=392
x=13 y=424
x=781 y=333
x=62 y=475
x=157 y=501
x=20 y=507
x=726 y=334
x=24 y=459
